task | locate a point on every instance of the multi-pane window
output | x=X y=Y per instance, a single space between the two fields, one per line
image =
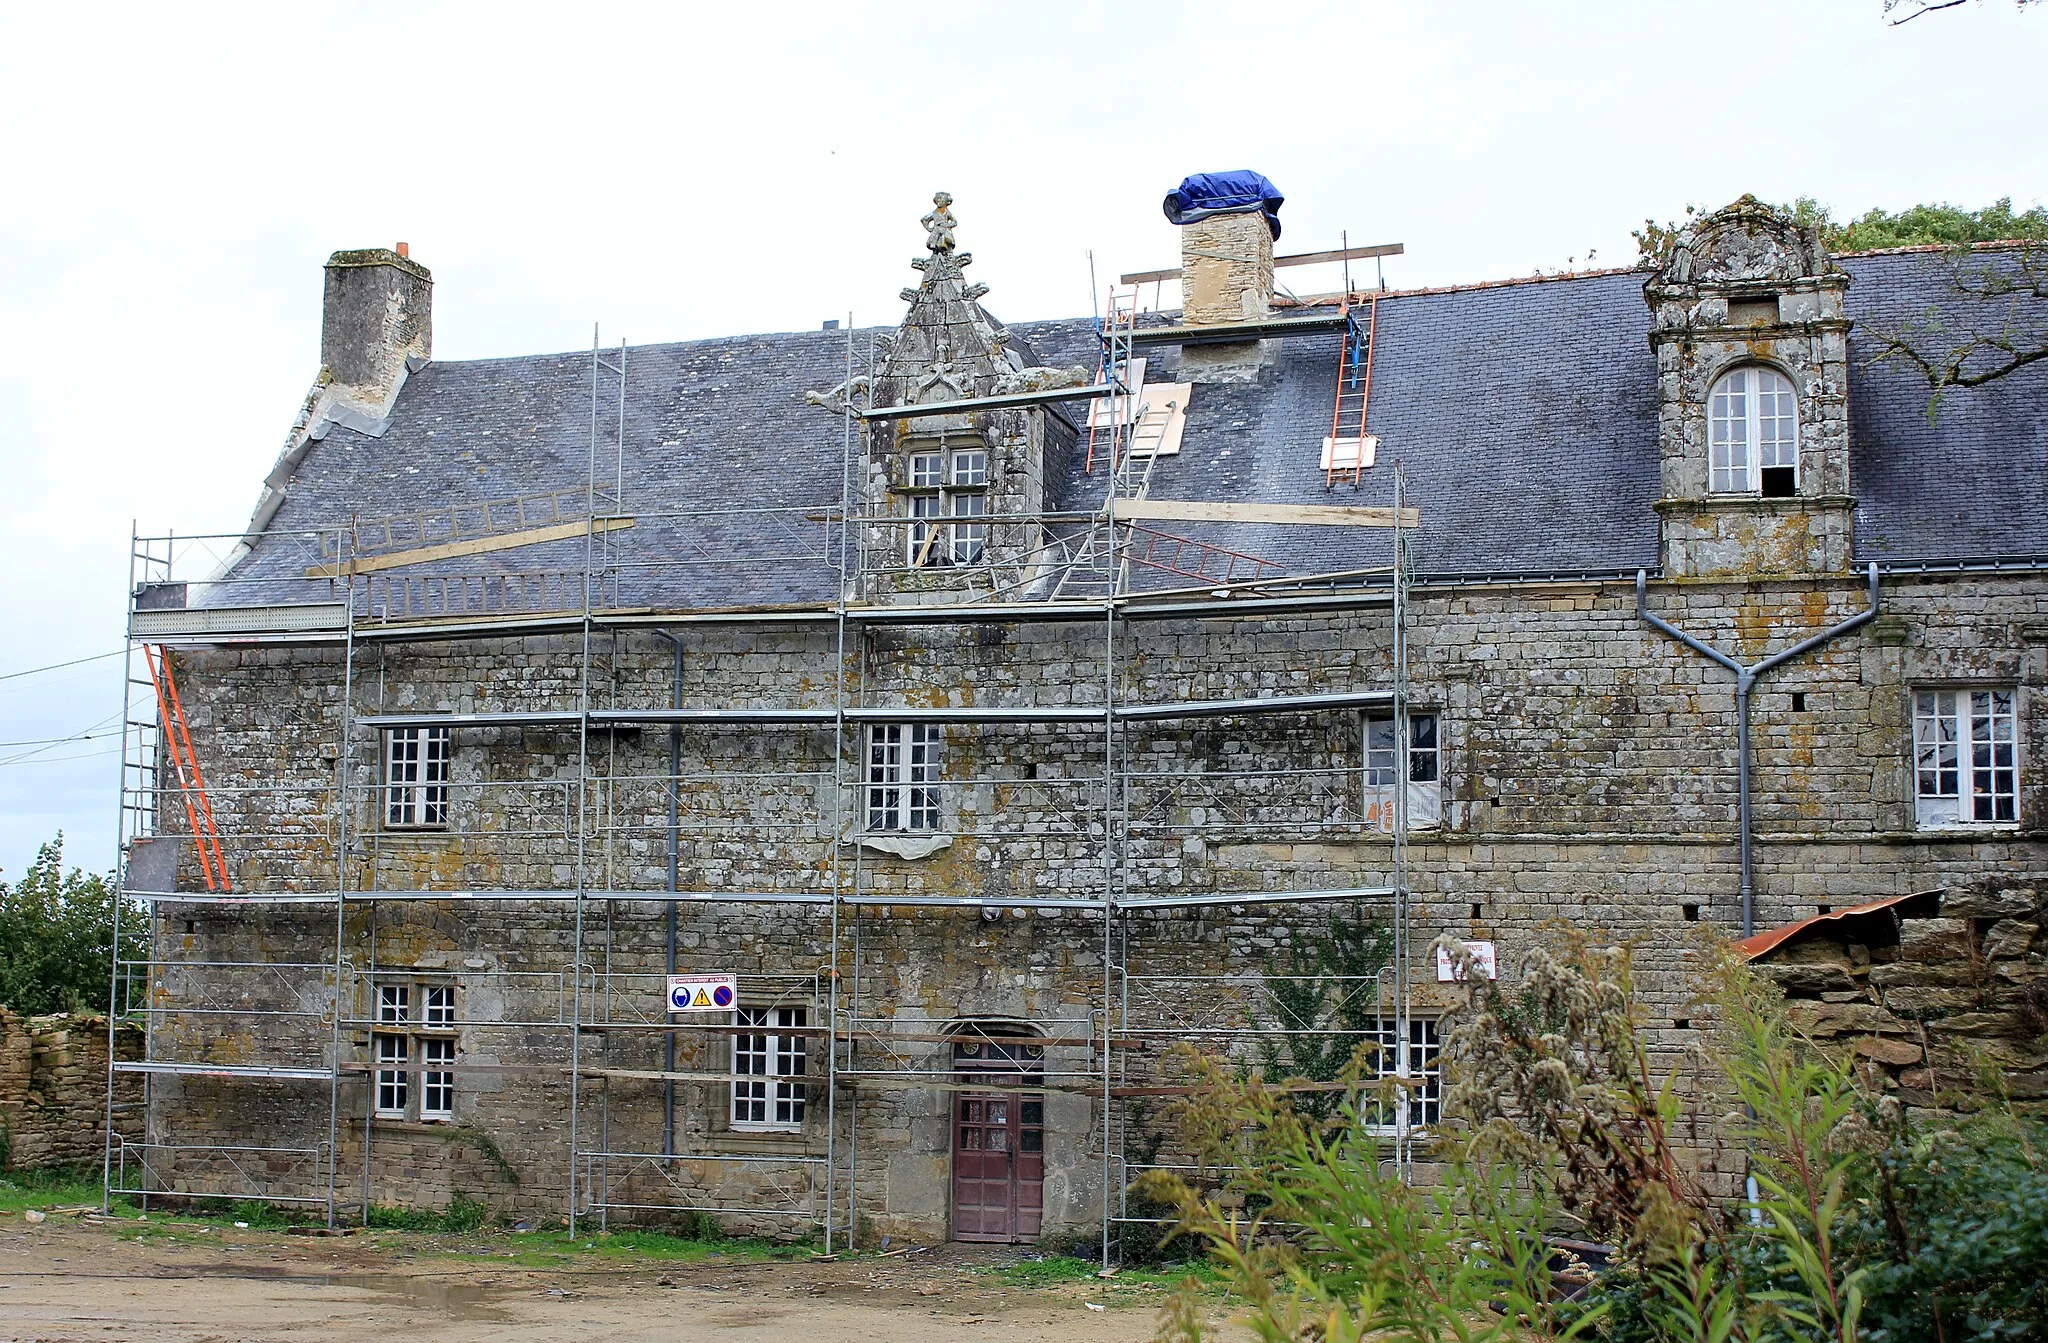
x=414 y=1033
x=437 y=1084
x=394 y=1093
x=948 y=485
x=1753 y=434
x=394 y=1050
x=1425 y=778
x=768 y=1067
x=1965 y=757
x=416 y=777
x=903 y=776
x=1424 y=1091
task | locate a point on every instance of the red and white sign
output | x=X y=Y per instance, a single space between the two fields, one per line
x=1482 y=960
x=703 y=993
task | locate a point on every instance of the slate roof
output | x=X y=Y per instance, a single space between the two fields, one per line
x=1522 y=413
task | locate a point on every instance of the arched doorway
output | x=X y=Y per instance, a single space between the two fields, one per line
x=998 y=1134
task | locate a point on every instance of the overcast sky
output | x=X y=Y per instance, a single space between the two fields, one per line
x=172 y=178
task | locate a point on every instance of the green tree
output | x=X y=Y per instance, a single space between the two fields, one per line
x=57 y=936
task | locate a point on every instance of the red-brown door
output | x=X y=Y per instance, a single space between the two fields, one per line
x=998 y=1165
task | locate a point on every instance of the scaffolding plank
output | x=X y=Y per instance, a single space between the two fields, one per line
x=1237 y=333
x=1297 y=259
x=1292 y=515
x=1086 y=392
x=476 y=545
x=256 y=1071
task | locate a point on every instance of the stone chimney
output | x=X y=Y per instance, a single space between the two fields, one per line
x=378 y=312
x=1226 y=268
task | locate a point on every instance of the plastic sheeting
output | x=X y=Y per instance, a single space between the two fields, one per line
x=1241 y=192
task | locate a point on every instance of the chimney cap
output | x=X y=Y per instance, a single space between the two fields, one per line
x=348 y=259
x=1201 y=195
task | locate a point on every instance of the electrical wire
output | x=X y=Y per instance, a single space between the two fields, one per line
x=58 y=666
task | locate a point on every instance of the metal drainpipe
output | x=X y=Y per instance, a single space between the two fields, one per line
x=1745 y=681
x=675 y=773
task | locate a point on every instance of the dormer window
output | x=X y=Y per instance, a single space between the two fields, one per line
x=952 y=485
x=1753 y=434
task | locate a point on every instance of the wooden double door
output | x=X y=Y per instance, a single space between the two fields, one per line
x=998 y=1165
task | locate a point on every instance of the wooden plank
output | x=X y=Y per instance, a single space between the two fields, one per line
x=1298 y=259
x=1341 y=254
x=1297 y=515
x=478 y=545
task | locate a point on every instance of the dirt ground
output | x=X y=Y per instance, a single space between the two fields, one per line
x=66 y=1280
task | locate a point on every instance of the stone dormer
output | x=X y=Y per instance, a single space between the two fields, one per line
x=978 y=474
x=1752 y=354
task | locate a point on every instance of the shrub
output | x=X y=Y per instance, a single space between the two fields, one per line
x=1861 y=1225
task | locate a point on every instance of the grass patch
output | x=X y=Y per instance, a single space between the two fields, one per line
x=55 y=1186
x=1043 y=1272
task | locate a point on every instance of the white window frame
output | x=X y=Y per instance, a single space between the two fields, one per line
x=1425 y=770
x=404 y=1041
x=1752 y=427
x=765 y=1098
x=902 y=777
x=437 y=1085
x=1966 y=757
x=1425 y=1103
x=947 y=483
x=416 y=761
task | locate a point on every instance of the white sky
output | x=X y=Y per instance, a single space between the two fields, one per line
x=172 y=177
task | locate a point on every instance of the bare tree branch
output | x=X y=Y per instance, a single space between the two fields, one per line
x=2005 y=293
x=1924 y=7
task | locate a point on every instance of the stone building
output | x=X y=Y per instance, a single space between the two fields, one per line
x=965 y=712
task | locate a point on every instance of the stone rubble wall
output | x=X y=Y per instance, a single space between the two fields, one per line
x=53 y=1088
x=1958 y=998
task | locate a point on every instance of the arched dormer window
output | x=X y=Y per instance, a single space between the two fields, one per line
x=1753 y=433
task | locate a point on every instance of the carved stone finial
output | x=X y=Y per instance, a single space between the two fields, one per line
x=1743 y=242
x=939 y=224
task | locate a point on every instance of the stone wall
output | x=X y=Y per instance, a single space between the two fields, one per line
x=53 y=1088
x=1589 y=775
x=1935 y=1001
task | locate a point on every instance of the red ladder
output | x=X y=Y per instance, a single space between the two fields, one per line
x=191 y=786
x=1354 y=397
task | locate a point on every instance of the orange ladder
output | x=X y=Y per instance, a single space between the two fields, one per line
x=191 y=786
x=1354 y=396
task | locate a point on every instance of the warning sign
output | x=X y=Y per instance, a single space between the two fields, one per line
x=703 y=993
x=1482 y=961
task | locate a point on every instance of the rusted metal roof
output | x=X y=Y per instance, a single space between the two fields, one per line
x=1920 y=904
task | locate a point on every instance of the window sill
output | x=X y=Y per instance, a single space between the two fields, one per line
x=1954 y=829
x=1754 y=503
x=905 y=843
x=439 y=1128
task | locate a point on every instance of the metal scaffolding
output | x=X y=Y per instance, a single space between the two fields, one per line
x=358 y=614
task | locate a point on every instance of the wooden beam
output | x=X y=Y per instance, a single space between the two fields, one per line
x=1298 y=259
x=1341 y=254
x=476 y=545
x=1296 y=515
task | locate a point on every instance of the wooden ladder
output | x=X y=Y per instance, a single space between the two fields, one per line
x=191 y=786
x=1346 y=447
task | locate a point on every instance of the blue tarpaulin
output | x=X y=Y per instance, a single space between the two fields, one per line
x=1241 y=192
